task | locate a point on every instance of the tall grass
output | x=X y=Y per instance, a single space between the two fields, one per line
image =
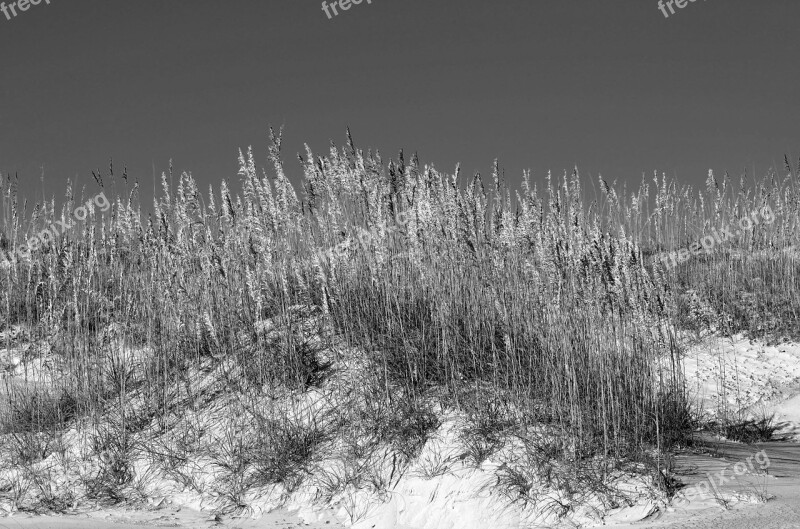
x=537 y=308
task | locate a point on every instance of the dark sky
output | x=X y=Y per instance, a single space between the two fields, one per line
x=612 y=86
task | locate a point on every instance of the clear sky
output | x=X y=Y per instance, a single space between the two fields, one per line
x=611 y=86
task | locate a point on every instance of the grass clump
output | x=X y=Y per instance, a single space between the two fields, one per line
x=537 y=308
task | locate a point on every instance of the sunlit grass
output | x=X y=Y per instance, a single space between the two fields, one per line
x=542 y=303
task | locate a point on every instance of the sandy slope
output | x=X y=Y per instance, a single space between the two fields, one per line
x=727 y=375
x=170 y=517
x=739 y=374
x=724 y=375
x=740 y=508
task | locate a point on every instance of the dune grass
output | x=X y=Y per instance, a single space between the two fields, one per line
x=530 y=310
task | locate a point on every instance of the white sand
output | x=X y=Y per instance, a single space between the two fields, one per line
x=724 y=376
x=742 y=375
x=727 y=376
